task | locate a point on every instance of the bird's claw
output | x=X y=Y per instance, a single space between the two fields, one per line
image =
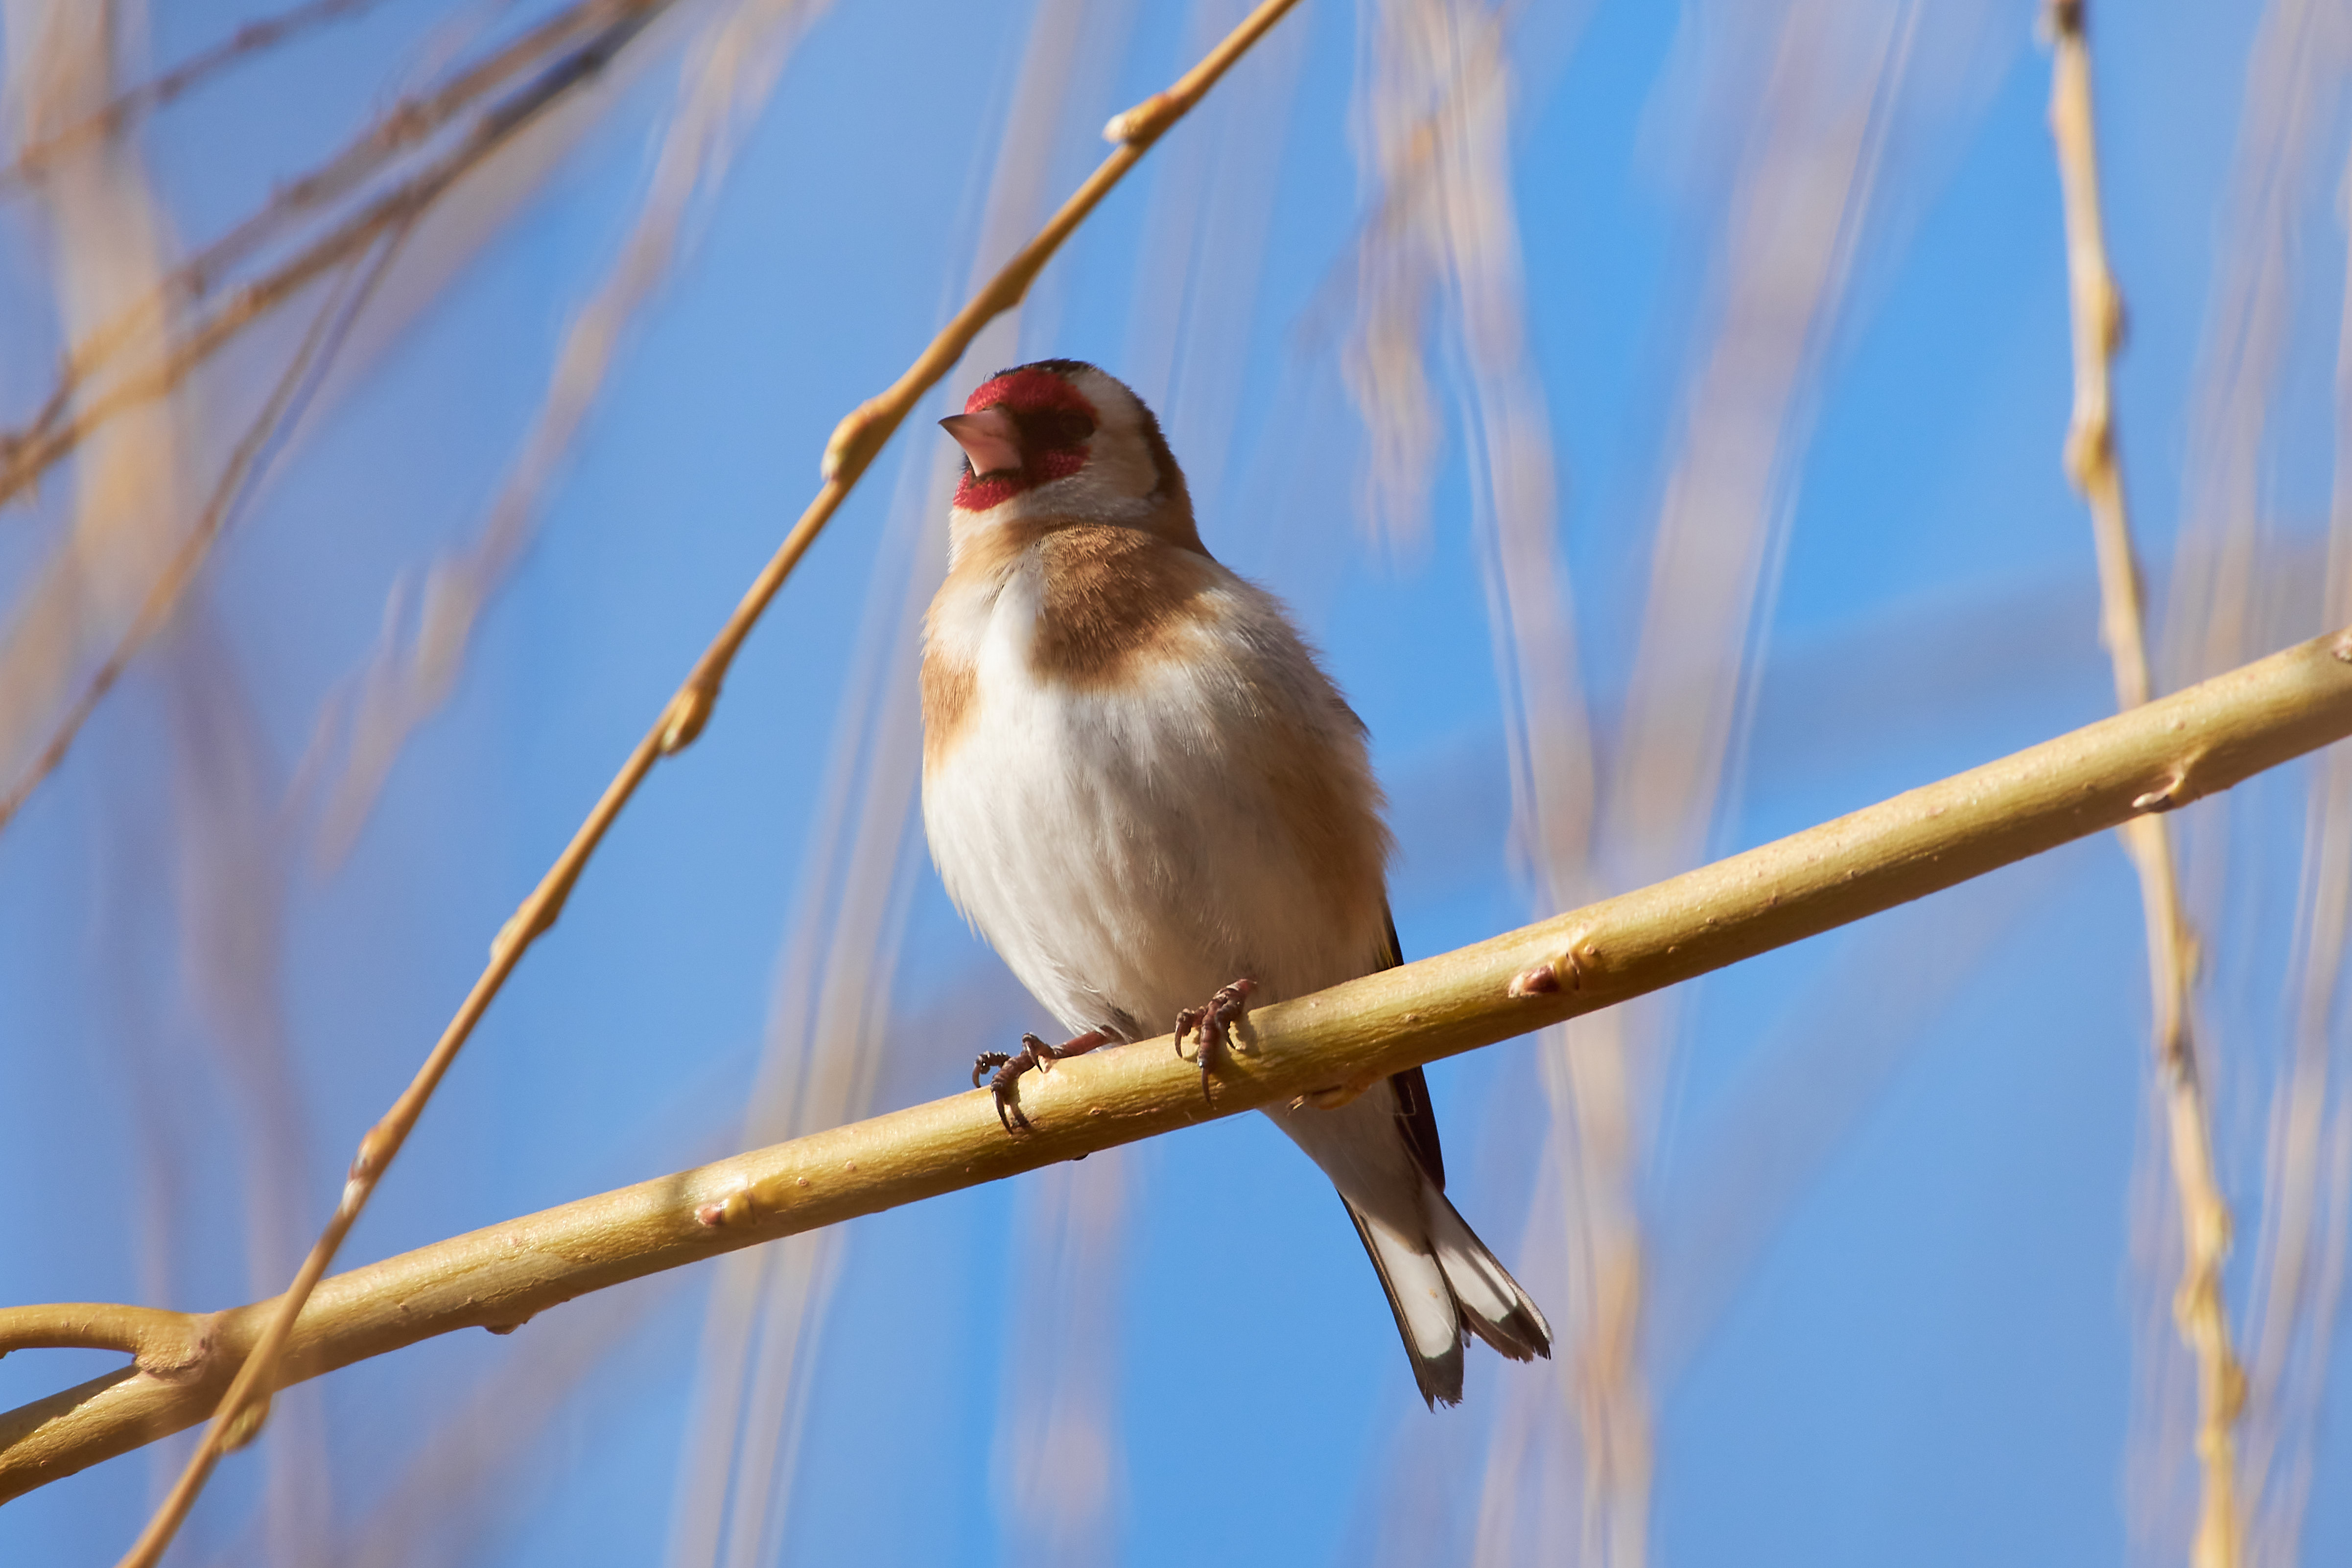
x=1213 y=1025
x=1009 y=1067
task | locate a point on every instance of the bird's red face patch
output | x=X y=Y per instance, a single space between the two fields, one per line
x=1054 y=420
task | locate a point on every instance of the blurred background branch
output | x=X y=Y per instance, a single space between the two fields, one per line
x=125 y=108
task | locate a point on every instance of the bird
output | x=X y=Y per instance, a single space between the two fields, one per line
x=1143 y=790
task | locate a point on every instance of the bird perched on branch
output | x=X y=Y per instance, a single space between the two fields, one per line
x=1151 y=800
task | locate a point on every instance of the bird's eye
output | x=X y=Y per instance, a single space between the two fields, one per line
x=1056 y=428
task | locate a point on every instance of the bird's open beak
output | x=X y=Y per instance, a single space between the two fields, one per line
x=990 y=438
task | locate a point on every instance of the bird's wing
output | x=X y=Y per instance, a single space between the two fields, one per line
x=1416 y=1117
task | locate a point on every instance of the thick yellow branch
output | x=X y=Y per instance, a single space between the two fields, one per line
x=2151 y=758
x=160 y=1342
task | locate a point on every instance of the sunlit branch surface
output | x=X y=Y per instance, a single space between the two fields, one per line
x=2154 y=758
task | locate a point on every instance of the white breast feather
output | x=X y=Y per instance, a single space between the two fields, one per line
x=1114 y=844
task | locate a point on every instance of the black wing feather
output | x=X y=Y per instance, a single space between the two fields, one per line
x=1415 y=1114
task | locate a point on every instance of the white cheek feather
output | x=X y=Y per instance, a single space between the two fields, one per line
x=1113 y=844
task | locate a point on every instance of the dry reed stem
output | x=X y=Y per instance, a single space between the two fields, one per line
x=67 y=419
x=1443 y=240
x=283 y=405
x=460 y=1480
x=825 y=1047
x=1826 y=1065
x=1201 y=260
x=249 y=39
x=1446 y=232
x=2300 y=1248
x=848 y=455
x=229 y=866
x=2177 y=748
x=130 y=500
x=2216 y=599
x=1406 y=147
x=1797 y=195
x=2090 y=460
x=1059 y=1462
x=726 y=82
x=62 y=426
x=2211 y=621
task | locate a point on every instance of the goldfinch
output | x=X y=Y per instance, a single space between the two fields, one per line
x=1147 y=795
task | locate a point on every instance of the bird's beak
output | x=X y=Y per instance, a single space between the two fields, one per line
x=990 y=438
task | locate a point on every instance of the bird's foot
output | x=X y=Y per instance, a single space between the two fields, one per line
x=1213 y=1025
x=1009 y=1067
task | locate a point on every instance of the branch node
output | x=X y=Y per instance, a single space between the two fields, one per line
x=367 y=1162
x=2172 y=792
x=536 y=914
x=2062 y=21
x=732 y=1209
x=689 y=710
x=177 y=1363
x=510 y=931
x=853 y=443
x=2090 y=448
x=1546 y=978
x=1140 y=126
x=1541 y=980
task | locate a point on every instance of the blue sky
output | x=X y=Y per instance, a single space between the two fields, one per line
x=1889 y=1173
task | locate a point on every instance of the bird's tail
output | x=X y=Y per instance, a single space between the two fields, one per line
x=1441 y=1284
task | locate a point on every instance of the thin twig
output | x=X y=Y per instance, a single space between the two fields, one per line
x=2090 y=461
x=1404 y=184
x=2181 y=748
x=136 y=103
x=852 y=448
